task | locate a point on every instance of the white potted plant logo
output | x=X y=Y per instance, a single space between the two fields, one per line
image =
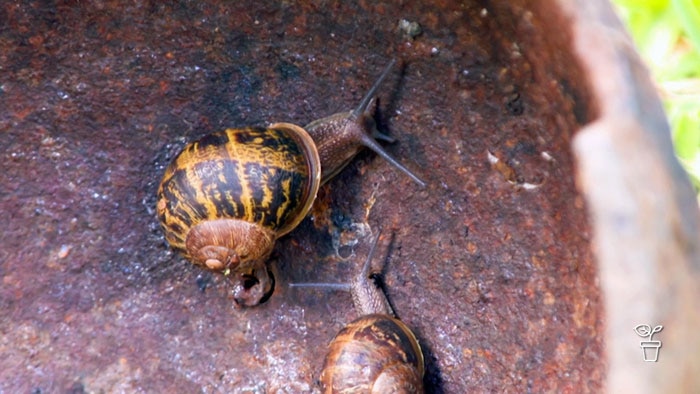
x=649 y=347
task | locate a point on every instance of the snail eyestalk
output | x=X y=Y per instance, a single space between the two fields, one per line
x=318 y=285
x=369 y=140
x=367 y=99
x=372 y=144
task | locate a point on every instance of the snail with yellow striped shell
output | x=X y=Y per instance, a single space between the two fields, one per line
x=227 y=197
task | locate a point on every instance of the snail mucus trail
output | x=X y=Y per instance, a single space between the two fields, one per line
x=226 y=198
x=375 y=353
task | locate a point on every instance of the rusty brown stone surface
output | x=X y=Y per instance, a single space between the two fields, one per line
x=491 y=265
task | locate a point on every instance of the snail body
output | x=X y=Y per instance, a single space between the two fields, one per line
x=375 y=353
x=226 y=198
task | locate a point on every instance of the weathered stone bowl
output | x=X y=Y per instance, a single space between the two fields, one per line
x=556 y=218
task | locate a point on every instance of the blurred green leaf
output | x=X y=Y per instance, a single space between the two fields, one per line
x=686 y=135
x=667 y=35
x=652 y=6
x=692 y=167
x=688 y=12
x=687 y=65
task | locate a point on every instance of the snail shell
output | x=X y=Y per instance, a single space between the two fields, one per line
x=227 y=197
x=375 y=353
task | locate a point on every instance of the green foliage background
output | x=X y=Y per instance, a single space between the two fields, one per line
x=667 y=35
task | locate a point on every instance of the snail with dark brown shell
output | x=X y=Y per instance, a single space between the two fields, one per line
x=375 y=353
x=227 y=197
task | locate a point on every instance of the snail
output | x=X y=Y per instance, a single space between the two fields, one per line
x=226 y=198
x=375 y=353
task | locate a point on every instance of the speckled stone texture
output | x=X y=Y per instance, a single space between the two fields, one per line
x=492 y=264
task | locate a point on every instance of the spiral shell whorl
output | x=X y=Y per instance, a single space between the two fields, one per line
x=266 y=177
x=372 y=354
